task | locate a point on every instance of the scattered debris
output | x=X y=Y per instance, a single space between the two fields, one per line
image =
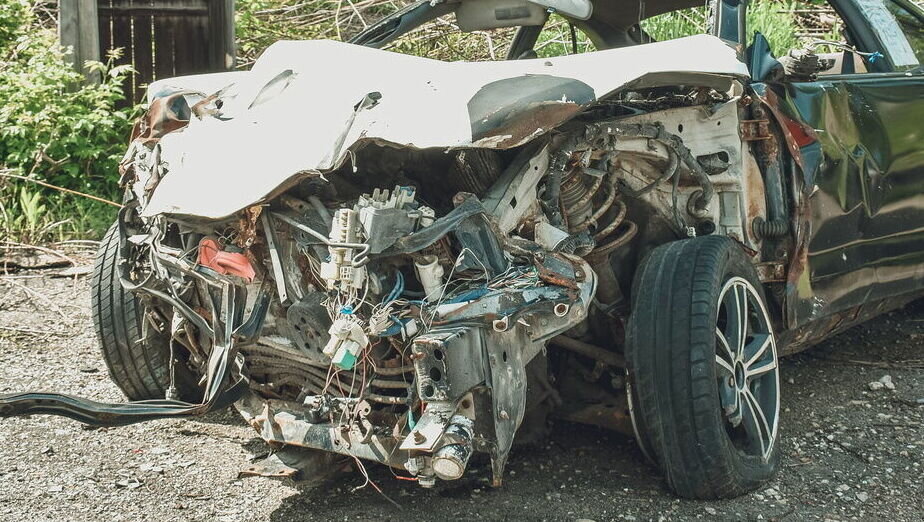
x=884 y=383
x=19 y=256
x=130 y=483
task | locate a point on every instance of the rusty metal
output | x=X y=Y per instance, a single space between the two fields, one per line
x=557 y=270
x=160 y=119
x=282 y=422
x=589 y=350
x=612 y=416
x=291 y=462
x=755 y=130
x=247 y=226
x=771 y=272
x=521 y=127
x=630 y=230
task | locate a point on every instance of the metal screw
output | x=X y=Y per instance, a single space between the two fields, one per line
x=561 y=309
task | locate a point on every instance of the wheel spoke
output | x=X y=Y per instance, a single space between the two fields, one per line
x=736 y=306
x=756 y=349
x=755 y=422
x=724 y=349
x=724 y=365
x=741 y=298
x=758 y=369
x=731 y=403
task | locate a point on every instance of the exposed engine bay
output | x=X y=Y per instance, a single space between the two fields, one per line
x=414 y=306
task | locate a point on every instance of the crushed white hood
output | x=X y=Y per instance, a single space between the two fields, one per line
x=216 y=167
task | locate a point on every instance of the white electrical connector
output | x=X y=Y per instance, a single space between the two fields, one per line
x=347 y=341
x=338 y=271
x=427 y=216
x=382 y=198
x=430 y=274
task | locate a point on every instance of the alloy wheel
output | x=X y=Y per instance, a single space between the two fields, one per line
x=747 y=372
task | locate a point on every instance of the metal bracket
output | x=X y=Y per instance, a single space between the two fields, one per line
x=755 y=130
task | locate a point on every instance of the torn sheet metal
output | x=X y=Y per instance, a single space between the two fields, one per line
x=300 y=110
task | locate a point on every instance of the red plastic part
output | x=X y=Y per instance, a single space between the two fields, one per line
x=225 y=263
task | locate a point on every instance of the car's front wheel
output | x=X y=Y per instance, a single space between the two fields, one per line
x=703 y=369
x=139 y=364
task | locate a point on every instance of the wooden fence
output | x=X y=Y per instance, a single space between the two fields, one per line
x=159 y=38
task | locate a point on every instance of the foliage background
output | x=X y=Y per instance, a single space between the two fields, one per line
x=58 y=129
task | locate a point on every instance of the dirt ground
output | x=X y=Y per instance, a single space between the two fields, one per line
x=850 y=452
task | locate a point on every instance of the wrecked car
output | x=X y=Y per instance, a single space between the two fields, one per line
x=407 y=261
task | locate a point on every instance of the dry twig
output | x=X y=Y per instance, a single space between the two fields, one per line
x=42 y=297
x=13 y=245
x=8 y=174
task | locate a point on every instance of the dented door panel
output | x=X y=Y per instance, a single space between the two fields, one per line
x=863 y=195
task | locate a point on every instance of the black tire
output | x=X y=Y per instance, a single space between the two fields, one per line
x=140 y=369
x=694 y=415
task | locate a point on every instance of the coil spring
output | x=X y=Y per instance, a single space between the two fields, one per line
x=577 y=200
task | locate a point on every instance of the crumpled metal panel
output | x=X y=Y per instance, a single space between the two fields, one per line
x=305 y=104
x=858 y=142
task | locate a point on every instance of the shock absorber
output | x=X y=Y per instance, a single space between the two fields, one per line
x=604 y=219
x=577 y=198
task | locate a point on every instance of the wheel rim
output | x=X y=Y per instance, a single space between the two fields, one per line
x=747 y=372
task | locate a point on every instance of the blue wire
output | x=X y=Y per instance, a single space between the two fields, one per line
x=396 y=291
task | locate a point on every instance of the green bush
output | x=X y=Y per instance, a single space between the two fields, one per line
x=58 y=129
x=14 y=16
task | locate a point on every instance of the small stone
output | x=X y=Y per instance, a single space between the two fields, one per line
x=886 y=381
x=842 y=488
x=875 y=386
x=56 y=489
x=862 y=496
x=711 y=511
x=130 y=483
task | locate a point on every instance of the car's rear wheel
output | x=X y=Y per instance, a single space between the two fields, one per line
x=138 y=357
x=703 y=368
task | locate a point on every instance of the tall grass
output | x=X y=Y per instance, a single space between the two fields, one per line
x=774 y=19
x=30 y=215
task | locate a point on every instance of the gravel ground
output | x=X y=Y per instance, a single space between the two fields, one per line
x=853 y=449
